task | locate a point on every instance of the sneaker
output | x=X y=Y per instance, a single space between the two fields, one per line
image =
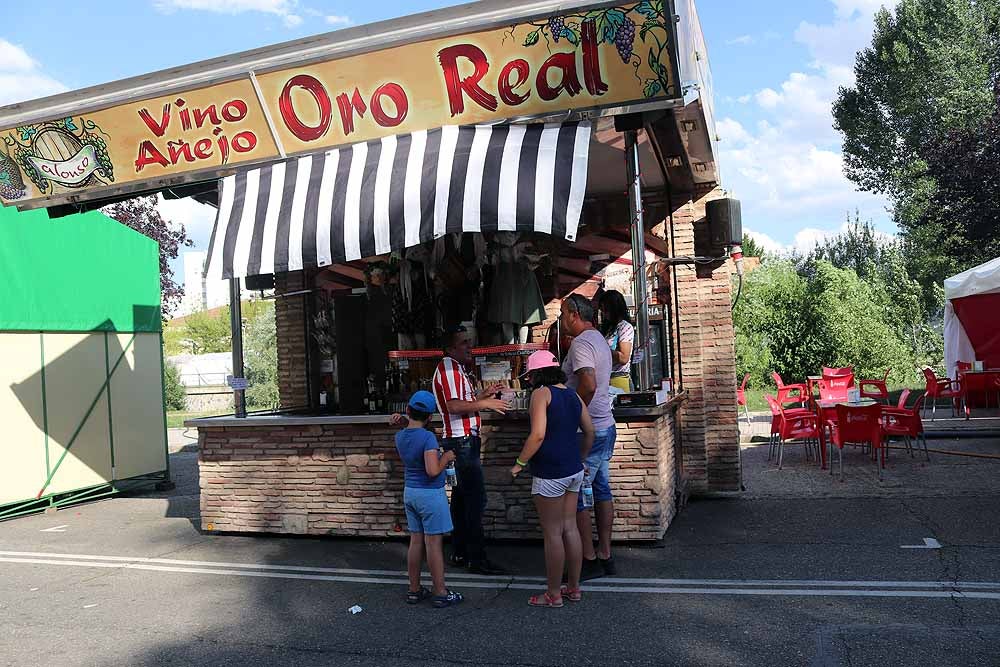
x=486 y=567
x=451 y=598
x=608 y=564
x=591 y=570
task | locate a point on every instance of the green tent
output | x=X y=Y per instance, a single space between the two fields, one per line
x=81 y=367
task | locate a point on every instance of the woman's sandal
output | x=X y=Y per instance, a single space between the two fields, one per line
x=545 y=600
x=416 y=597
x=571 y=594
x=447 y=600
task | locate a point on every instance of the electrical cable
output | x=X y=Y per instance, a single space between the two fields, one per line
x=739 y=291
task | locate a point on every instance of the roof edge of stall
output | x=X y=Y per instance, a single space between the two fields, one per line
x=439 y=23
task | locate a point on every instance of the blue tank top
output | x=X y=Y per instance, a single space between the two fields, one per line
x=559 y=455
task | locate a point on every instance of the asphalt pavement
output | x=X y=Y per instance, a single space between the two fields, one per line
x=758 y=580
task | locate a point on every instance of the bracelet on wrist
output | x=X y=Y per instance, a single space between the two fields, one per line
x=520 y=462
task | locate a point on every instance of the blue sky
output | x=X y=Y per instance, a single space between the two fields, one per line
x=776 y=66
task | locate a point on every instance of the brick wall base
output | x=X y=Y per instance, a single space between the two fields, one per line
x=347 y=480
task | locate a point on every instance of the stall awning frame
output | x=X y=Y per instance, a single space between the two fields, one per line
x=384 y=195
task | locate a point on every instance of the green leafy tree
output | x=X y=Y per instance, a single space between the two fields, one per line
x=751 y=248
x=174 y=341
x=260 y=347
x=175 y=397
x=928 y=73
x=208 y=332
x=795 y=319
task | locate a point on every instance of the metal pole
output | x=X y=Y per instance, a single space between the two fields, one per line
x=236 y=324
x=639 y=286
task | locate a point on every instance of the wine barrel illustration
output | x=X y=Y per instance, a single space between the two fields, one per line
x=58 y=145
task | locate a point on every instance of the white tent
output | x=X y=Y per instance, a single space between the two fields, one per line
x=972 y=316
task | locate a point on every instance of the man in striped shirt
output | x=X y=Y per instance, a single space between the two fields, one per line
x=460 y=407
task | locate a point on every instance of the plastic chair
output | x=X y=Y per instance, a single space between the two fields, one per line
x=943 y=388
x=845 y=371
x=827 y=392
x=876 y=389
x=802 y=425
x=839 y=380
x=857 y=425
x=741 y=397
x=905 y=423
x=787 y=392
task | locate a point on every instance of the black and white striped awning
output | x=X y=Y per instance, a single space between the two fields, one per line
x=372 y=198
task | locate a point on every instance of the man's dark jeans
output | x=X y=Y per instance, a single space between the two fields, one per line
x=468 y=498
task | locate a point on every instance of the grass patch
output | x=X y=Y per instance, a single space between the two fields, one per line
x=176 y=418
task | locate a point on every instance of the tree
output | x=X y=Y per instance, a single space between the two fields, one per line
x=927 y=71
x=927 y=76
x=965 y=165
x=209 y=332
x=175 y=397
x=751 y=248
x=796 y=319
x=261 y=358
x=141 y=215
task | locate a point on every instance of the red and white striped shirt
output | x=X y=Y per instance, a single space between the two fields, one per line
x=452 y=383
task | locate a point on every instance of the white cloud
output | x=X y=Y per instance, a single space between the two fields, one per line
x=743 y=99
x=744 y=40
x=787 y=164
x=766 y=242
x=338 y=20
x=20 y=76
x=285 y=9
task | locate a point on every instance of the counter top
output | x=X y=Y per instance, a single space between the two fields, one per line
x=288 y=419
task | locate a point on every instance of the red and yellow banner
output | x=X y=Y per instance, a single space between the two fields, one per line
x=589 y=59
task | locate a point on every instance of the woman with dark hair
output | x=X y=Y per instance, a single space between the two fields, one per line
x=556 y=459
x=618 y=330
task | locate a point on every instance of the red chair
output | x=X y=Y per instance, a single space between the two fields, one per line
x=789 y=393
x=944 y=388
x=876 y=389
x=857 y=425
x=777 y=413
x=905 y=423
x=741 y=397
x=837 y=380
x=802 y=426
x=827 y=392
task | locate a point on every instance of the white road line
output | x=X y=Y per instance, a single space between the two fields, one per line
x=929 y=543
x=955 y=591
x=55 y=529
x=251 y=566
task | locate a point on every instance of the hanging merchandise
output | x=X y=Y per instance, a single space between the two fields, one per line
x=515 y=299
x=410 y=304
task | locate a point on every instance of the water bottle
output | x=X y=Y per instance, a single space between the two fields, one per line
x=587 y=491
x=450 y=474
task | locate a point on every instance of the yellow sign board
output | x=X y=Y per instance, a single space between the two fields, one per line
x=590 y=59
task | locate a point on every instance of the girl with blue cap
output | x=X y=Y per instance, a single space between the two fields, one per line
x=427 y=515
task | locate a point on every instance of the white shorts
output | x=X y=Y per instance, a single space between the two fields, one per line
x=555 y=488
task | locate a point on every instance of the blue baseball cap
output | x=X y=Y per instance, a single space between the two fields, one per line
x=423 y=401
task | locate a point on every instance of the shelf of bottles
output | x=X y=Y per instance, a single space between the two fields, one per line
x=408 y=371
